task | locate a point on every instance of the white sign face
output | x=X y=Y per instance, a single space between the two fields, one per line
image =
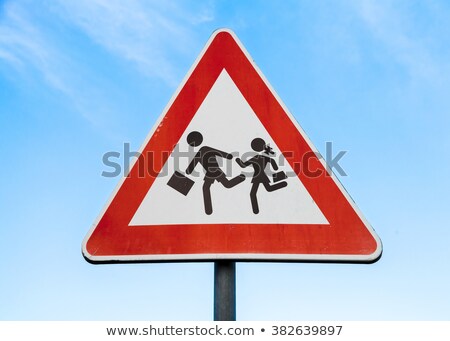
x=227 y=123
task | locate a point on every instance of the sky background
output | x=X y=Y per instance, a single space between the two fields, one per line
x=80 y=78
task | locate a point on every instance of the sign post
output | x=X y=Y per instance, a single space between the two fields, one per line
x=225 y=290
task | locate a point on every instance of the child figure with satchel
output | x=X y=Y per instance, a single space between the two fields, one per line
x=259 y=163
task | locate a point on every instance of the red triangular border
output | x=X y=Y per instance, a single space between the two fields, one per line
x=348 y=237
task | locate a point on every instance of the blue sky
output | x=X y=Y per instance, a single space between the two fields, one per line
x=80 y=78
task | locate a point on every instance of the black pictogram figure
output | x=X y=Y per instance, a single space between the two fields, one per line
x=207 y=157
x=259 y=163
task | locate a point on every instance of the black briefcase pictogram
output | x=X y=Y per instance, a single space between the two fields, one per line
x=279 y=176
x=180 y=183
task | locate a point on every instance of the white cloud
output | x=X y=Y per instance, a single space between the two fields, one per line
x=23 y=45
x=394 y=27
x=147 y=33
x=31 y=53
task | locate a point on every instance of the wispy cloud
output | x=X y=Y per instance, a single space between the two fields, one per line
x=32 y=54
x=24 y=46
x=392 y=24
x=146 y=35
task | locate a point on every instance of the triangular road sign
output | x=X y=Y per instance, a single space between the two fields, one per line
x=227 y=173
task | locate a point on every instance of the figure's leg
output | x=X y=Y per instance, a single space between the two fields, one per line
x=207 y=196
x=253 y=198
x=274 y=187
x=232 y=182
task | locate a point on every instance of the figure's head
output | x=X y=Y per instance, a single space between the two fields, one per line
x=194 y=139
x=258 y=144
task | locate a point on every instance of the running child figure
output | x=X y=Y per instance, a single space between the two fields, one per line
x=207 y=157
x=259 y=163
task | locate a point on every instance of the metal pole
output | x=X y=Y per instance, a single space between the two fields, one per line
x=225 y=291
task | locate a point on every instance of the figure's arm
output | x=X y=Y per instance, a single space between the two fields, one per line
x=273 y=164
x=193 y=163
x=220 y=153
x=243 y=164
